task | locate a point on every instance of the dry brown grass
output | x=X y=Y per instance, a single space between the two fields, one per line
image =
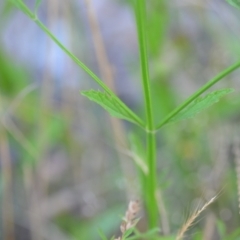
x=192 y=218
x=129 y=219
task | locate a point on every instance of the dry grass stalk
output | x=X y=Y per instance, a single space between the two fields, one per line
x=129 y=219
x=165 y=226
x=210 y=227
x=106 y=71
x=192 y=218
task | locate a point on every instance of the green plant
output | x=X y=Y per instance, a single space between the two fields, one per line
x=128 y=230
x=234 y=3
x=115 y=106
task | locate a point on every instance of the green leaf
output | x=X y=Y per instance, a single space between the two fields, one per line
x=200 y=104
x=234 y=235
x=200 y=91
x=153 y=233
x=112 y=104
x=234 y=3
x=168 y=238
x=101 y=234
x=37 y=4
x=221 y=229
x=16 y=3
x=128 y=233
x=197 y=236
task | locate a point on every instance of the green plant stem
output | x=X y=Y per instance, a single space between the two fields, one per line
x=30 y=14
x=152 y=207
x=151 y=182
x=89 y=72
x=198 y=93
x=73 y=57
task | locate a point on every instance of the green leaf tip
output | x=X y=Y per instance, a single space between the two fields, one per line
x=200 y=104
x=234 y=3
x=111 y=104
x=24 y=8
x=101 y=234
x=37 y=4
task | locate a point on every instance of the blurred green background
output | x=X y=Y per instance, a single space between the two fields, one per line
x=65 y=168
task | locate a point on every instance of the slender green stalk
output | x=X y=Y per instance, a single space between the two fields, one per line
x=87 y=70
x=205 y=87
x=73 y=57
x=144 y=63
x=29 y=13
x=151 y=182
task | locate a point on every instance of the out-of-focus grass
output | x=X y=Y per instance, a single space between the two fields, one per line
x=59 y=179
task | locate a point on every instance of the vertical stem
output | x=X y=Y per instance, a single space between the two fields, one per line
x=151 y=183
x=152 y=207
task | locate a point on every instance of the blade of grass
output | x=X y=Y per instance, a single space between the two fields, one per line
x=151 y=182
x=205 y=87
x=28 y=12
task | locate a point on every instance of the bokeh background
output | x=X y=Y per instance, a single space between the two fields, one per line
x=65 y=165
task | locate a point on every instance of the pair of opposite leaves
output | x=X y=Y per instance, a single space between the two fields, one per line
x=112 y=105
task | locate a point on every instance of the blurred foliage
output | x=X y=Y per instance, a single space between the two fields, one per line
x=12 y=77
x=61 y=149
